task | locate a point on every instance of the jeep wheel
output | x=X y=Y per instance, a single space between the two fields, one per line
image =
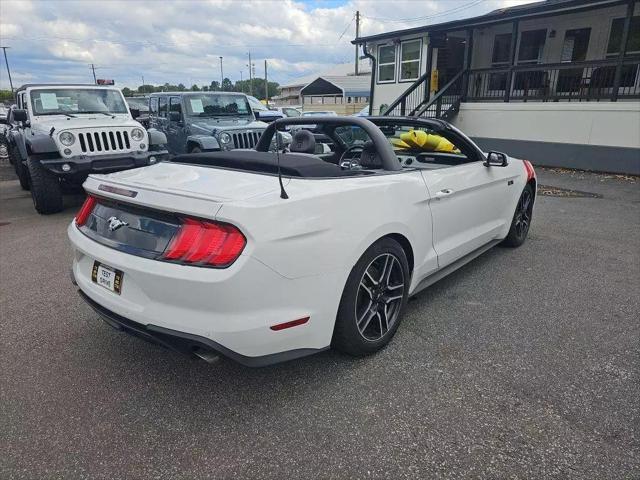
x=23 y=175
x=45 y=188
x=21 y=170
x=196 y=150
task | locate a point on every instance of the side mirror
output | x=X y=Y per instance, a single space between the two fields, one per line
x=497 y=159
x=175 y=116
x=20 y=115
x=135 y=112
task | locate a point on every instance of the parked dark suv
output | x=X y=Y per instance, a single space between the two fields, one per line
x=204 y=121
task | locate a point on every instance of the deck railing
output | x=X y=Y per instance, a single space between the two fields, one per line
x=575 y=81
x=411 y=99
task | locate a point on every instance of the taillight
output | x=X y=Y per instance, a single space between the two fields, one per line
x=531 y=173
x=204 y=243
x=85 y=210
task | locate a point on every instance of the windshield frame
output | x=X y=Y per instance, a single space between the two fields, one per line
x=59 y=90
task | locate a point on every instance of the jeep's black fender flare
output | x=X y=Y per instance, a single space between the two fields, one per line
x=156 y=137
x=39 y=144
x=204 y=142
x=16 y=138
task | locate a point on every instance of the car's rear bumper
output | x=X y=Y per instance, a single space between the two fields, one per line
x=228 y=310
x=187 y=343
x=85 y=164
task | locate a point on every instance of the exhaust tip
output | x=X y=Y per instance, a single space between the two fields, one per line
x=206 y=355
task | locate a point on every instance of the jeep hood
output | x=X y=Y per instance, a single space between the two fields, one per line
x=44 y=124
x=209 y=125
x=184 y=184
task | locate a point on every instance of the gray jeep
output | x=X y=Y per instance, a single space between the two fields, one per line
x=59 y=134
x=205 y=121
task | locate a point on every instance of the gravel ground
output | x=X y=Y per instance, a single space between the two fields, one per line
x=523 y=364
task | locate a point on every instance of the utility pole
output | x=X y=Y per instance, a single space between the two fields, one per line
x=357 y=35
x=8 y=71
x=241 y=84
x=266 y=83
x=250 y=76
x=221 y=74
x=93 y=69
x=142 y=88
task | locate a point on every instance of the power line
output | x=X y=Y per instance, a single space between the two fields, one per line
x=459 y=8
x=346 y=28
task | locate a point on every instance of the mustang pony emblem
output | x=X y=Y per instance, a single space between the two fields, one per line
x=115 y=223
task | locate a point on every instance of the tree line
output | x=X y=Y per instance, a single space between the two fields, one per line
x=253 y=87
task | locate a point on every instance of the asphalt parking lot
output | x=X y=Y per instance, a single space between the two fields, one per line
x=523 y=364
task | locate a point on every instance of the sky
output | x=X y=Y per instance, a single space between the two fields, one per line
x=182 y=41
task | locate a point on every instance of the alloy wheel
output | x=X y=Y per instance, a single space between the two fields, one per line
x=523 y=213
x=379 y=297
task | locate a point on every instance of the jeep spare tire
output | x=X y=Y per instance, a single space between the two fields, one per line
x=45 y=188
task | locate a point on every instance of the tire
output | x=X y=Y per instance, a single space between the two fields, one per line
x=195 y=150
x=521 y=221
x=23 y=175
x=370 y=313
x=45 y=189
x=21 y=170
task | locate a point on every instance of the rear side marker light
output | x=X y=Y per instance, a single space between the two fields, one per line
x=531 y=173
x=292 y=323
x=204 y=243
x=85 y=210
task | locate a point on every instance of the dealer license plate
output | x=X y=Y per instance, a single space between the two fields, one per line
x=107 y=277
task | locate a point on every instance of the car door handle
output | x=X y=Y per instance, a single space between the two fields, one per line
x=444 y=193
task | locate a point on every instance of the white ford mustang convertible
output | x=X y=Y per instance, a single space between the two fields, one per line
x=271 y=254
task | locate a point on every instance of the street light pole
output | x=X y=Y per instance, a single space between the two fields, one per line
x=221 y=74
x=250 y=76
x=7 y=63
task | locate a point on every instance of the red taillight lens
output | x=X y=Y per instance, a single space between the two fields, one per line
x=205 y=243
x=85 y=210
x=531 y=173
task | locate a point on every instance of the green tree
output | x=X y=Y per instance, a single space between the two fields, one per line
x=214 y=86
x=227 y=86
x=195 y=88
x=6 y=96
x=126 y=91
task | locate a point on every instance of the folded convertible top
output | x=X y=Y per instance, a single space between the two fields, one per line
x=291 y=164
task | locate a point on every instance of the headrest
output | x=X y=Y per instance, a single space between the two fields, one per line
x=303 y=141
x=369 y=157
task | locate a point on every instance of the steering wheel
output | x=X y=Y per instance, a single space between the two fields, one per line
x=350 y=149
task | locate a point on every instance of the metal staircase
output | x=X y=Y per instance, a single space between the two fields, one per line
x=415 y=102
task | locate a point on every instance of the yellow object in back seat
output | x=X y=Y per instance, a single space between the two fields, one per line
x=428 y=141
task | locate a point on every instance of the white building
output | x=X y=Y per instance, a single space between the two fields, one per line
x=556 y=81
x=337 y=89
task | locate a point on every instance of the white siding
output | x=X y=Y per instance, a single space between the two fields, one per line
x=615 y=124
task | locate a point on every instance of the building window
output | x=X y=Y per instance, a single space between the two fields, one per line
x=410 y=60
x=576 y=43
x=531 y=45
x=615 y=36
x=386 y=63
x=501 y=49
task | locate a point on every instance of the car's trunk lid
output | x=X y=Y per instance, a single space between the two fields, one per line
x=188 y=189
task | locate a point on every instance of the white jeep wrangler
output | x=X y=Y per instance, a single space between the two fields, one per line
x=59 y=134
